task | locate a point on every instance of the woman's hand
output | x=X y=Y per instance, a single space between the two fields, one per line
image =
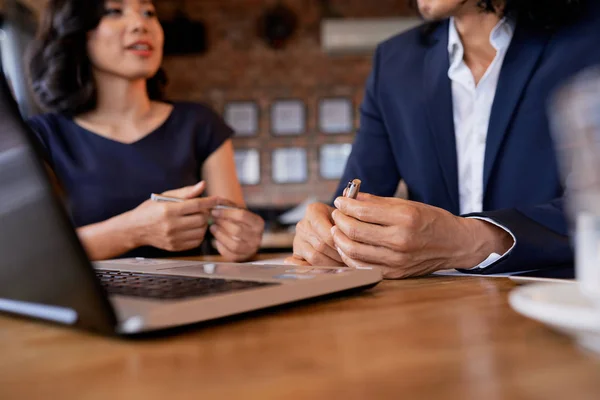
x=238 y=232
x=173 y=226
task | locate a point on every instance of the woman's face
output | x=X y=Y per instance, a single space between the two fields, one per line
x=128 y=42
x=440 y=9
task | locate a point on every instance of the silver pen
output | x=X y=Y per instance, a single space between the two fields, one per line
x=158 y=197
x=352 y=188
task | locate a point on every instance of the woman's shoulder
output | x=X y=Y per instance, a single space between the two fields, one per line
x=201 y=116
x=195 y=110
x=46 y=124
x=41 y=119
x=209 y=129
x=48 y=132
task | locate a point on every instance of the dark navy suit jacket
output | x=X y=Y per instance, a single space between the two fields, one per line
x=407 y=132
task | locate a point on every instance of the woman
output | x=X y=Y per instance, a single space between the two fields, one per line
x=95 y=68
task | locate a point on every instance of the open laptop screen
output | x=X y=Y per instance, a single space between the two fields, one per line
x=42 y=263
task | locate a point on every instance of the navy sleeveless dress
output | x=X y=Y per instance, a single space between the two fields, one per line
x=103 y=178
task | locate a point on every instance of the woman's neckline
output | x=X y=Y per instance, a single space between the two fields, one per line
x=151 y=132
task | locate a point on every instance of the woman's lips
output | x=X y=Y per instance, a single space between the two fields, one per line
x=141 y=49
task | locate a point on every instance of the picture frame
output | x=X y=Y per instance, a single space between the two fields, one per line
x=289 y=165
x=288 y=117
x=336 y=116
x=247 y=165
x=332 y=160
x=243 y=117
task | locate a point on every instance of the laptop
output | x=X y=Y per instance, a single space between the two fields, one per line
x=45 y=273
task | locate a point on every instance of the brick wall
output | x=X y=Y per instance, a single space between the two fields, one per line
x=240 y=66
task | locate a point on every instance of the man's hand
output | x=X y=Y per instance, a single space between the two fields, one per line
x=406 y=238
x=313 y=243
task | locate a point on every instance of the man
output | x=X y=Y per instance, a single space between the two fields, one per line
x=457 y=108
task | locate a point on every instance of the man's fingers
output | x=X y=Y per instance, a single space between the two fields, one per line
x=321 y=247
x=321 y=226
x=305 y=232
x=363 y=232
x=303 y=250
x=313 y=242
x=365 y=253
x=371 y=212
x=388 y=273
x=374 y=199
x=293 y=260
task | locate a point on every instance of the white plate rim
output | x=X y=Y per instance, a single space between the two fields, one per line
x=528 y=301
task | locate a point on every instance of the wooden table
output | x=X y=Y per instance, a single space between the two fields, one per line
x=428 y=338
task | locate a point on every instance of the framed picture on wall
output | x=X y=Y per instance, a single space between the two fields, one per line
x=242 y=117
x=332 y=159
x=288 y=117
x=289 y=165
x=336 y=115
x=247 y=166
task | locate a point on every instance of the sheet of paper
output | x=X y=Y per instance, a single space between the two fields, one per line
x=453 y=272
x=271 y=261
x=446 y=272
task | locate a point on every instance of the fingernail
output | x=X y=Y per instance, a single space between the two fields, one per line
x=213 y=229
x=332 y=230
x=337 y=203
x=216 y=213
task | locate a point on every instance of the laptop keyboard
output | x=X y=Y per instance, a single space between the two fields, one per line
x=169 y=287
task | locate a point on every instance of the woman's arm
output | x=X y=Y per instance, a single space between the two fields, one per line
x=220 y=175
x=167 y=226
x=103 y=240
x=108 y=239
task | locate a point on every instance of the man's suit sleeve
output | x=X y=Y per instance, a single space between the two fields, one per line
x=372 y=159
x=542 y=239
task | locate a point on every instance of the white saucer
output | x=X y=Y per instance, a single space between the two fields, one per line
x=563 y=307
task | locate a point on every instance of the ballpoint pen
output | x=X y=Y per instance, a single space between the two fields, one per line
x=158 y=197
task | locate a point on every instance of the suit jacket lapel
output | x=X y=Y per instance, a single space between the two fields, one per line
x=438 y=104
x=519 y=65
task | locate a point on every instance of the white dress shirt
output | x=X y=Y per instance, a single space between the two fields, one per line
x=472 y=106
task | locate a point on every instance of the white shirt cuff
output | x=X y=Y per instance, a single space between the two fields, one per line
x=494 y=257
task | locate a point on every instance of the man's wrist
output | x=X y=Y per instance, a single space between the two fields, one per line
x=485 y=238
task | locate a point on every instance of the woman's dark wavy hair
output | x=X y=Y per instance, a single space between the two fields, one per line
x=536 y=14
x=59 y=69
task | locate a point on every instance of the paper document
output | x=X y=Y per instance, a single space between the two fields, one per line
x=271 y=261
x=453 y=272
